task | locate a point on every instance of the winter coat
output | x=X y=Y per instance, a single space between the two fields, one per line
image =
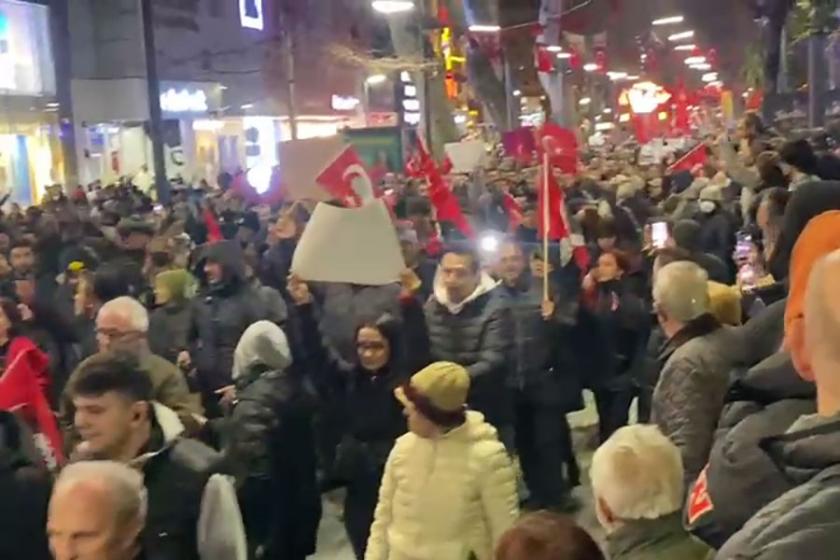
x=345 y=306
x=193 y=513
x=541 y=364
x=611 y=337
x=692 y=385
x=221 y=314
x=278 y=492
x=717 y=235
x=655 y=539
x=445 y=499
x=741 y=478
x=25 y=488
x=802 y=522
x=477 y=335
x=168 y=388
x=362 y=402
x=169 y=329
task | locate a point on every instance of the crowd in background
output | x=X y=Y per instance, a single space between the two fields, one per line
x=175 y=341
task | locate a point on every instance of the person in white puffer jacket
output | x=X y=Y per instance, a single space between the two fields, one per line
x=449 y=489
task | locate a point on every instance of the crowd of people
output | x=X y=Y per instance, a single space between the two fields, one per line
x=173 y=389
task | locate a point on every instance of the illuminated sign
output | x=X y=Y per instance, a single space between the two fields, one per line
x=183 y=101
x=344 y=103
x=251 y=14
x=645 y=97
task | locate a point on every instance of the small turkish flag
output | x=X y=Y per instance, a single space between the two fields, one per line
x=560 y=144
x=338 y=178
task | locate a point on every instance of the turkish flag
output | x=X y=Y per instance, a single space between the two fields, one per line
x=447 y=208
x=696 y=156
x=561 y=146
x=338 y=177
x=552 y=197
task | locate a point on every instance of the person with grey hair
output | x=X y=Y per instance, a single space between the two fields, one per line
x=696 y=360
x=637 y=482
x=122 y=324
x=97 y=512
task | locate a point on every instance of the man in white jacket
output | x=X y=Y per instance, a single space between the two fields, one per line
x=449 y=491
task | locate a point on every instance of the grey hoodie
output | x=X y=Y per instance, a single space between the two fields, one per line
x=263 y=343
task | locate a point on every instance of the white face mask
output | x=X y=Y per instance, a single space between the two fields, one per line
x=707 y=206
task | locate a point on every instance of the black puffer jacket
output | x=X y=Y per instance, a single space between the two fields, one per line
x=741 y=478
x=221 y=314
x=802 y=522
x=25 y=491
x=271 y=449
x=542 y=365
x=479 y=338
x=362 y=402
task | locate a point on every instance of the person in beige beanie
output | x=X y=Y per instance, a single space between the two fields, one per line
x=449 y=490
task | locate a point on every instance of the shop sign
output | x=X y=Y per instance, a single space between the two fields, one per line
x=183 y=101
x=251 y=14
x=344 y=103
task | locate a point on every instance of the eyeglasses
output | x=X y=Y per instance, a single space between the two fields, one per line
x=114 y=334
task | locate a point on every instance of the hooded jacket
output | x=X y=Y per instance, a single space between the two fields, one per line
x=802 y=522
x=271 y=447
x=221 y=314
x=449 y=498
x=475 y=333
x=170 y=324
x=25 y=490
x=192 y=510
x=741 y=478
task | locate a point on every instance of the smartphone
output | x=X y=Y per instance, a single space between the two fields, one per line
x=158 y=208
x=743 y=246
x=748 y=277
x=659 y=234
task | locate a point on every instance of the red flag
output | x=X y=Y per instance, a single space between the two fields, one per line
x=214 y=231
x=23 y=391
x=554 y=198
x=337 y=178
x=697 y=156
x=445 y=202
x=561 y=146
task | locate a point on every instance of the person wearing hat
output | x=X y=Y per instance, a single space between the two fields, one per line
x=449 y=491
x=717 y=225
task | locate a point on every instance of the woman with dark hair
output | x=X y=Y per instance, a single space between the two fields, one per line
x=547 y=536
x=799 y=162
x=362 y=394
x=24 y=384
x=615 y=328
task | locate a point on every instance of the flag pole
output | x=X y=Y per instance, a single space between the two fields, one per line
x=546 y=223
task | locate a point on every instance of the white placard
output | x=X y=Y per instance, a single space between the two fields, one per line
x=466 y=156
x=349 y=245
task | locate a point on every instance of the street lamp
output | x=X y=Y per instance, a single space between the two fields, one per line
x=564 y=55
x=585 y=101
x=485 y=28
x=681 y=35
x=554 y=48
x=709 y=77
x=702 y=66
x=389 y=7
x=692 y=60
x=669 y=20
x=686 y=47
x=376 y=79
x=590 y=67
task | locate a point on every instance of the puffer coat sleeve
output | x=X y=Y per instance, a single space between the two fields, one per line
x=377 y=547
x=498 y=494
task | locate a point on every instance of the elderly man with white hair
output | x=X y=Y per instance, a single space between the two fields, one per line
x=123 y=324
x=97 y=511
x=696 y=360
x=637 y=481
